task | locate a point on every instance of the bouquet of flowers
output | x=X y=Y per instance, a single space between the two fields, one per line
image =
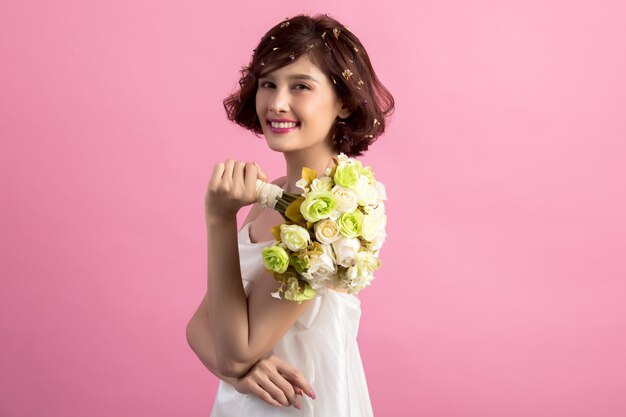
x=333 y=230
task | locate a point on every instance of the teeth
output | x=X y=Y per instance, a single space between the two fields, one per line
x=283 y=125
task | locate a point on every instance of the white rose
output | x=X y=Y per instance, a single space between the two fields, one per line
x=381 y=190
x=372 y=223
x=378 y=241
x=347 y=200
x=367 y=194
x=346 y=249
x=294 y=236
x=322 y=184
x=321 y=268
x=326 y=231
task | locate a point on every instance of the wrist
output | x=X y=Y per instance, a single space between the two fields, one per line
x=213 y=217
x=230 y=380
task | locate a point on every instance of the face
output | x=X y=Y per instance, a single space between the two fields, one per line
x=297 y=106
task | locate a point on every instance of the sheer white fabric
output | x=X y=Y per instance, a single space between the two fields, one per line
x=322 y=344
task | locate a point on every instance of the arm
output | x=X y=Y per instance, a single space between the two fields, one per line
x=200 y=340
x=271 y=379
x=247 y=328
x=199 y=334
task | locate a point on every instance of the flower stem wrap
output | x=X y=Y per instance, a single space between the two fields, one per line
x=268 y=194
x=274 y=197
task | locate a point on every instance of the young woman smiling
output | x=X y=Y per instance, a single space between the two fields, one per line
x=311 y=92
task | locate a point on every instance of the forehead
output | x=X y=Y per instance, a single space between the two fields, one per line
x=301 y=66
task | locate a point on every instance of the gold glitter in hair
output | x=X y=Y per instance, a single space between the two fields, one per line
x=347 y=74
x=336 y=32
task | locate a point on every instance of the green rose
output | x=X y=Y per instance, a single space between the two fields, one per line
x=351 y=224
x=275 y=258
x=318 y=205
x=347 y=174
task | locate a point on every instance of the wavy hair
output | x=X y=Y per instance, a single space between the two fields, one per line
x=341 y=56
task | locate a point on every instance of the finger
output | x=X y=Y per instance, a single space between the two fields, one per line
x=261 y=173
x=274 y=391
x=294 y=376
x=238 y=172
x=228 y=170
x=250 y=179
x=264 y=395
x=216 y=176
x=287 y=389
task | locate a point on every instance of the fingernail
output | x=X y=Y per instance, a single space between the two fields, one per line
x=312 y=395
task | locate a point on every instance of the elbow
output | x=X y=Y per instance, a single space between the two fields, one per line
x=190 y=334
x=233 y=367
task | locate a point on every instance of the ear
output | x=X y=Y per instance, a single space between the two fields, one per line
x=344 y=113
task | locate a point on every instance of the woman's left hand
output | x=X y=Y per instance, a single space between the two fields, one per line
x=232 y=186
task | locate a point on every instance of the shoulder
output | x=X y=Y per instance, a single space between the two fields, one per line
x=257 y=209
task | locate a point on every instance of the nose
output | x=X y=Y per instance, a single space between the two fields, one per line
x=279 y=102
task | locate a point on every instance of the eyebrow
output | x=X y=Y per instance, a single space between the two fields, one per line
x=295 y=77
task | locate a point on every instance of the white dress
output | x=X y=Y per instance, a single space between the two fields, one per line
x=321 y=344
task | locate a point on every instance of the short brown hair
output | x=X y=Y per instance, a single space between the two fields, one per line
x=341 y=56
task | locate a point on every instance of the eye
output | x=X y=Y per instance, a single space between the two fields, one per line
x=269 y=84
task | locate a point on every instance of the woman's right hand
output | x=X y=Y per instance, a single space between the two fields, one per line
x=275 y=382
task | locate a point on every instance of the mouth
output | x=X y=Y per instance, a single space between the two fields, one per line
x=282 y=126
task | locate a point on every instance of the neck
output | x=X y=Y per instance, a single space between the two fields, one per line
x=316 y=159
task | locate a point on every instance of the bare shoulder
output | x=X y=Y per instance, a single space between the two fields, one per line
x=257 y=209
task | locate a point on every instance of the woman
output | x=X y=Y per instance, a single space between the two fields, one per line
x=311 y=91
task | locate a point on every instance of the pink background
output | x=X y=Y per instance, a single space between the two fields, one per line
x=502 y=291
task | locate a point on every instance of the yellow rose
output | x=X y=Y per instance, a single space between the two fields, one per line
x=326 y=231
